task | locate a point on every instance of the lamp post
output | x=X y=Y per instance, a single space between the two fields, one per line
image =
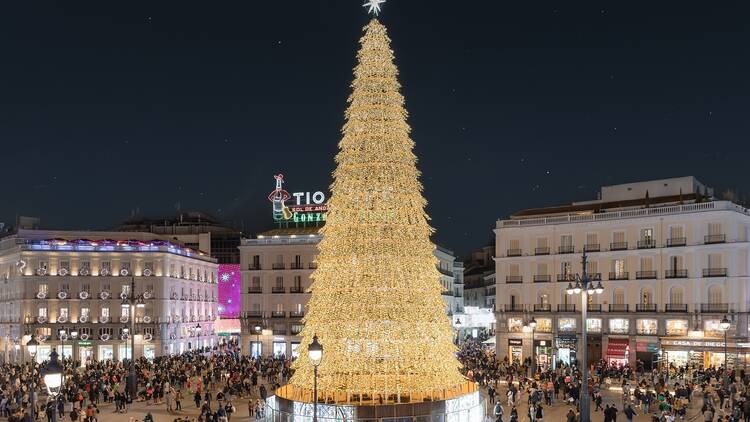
x=31 y=346
x=724 y=325
x=53 y=376
x=315 y=353
x=130 y=302
x=458 y=332
x=585 y=286
x=74 y=337
x=258 y=329
x=532 y=325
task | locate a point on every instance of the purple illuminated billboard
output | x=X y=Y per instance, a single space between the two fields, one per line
x=230 y=289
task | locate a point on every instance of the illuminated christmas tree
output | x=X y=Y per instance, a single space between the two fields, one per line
x=376 y=301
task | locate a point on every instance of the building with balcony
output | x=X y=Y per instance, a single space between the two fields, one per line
x=74 y=281
x=673 y=262
x=276 y=267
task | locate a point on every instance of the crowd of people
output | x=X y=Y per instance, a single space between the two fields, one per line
x=666 y=394
x=219 y=382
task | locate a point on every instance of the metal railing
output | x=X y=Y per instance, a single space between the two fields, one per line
x=714 y=272
x=541 y=251
x=645 y=307
x=565 y=277
x=715 y=307
x=646 y=275
x=619 y=276
x=514 y=252
x=278 y=314
x=296 y=289
x=514 y=279
x=542 y=307
x=542 y=278
x=296 y=266
x=254 y=267
x=563 y=249
x=595 y=307
x=675 y=307
x=619 y=307
x=513 y=307
x=676 y=273
x=255 y=290
x=714 y=238
x=646 y=244
x=618 y=246
x=296 y=314
x=676 y=241
x=591 y=247
x=277 y=289
x=566 y=307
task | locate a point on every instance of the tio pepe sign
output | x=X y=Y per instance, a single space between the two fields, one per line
x=307 y=207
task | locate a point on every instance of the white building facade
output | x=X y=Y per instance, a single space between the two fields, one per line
x=276 y=268
x=72 y=282
x=672 y=263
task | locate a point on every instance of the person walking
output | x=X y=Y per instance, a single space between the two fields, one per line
x=629 y=412
x=178 y=400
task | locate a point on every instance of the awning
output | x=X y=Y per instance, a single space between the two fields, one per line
x=491 y=340
x=617 y=347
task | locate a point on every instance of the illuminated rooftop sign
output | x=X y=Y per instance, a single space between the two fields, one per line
x=307 y=207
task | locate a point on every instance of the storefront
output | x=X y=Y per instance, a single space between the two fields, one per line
x=515 y=350
x=646 y=351
x=566 y=348
x=700 y=352
x=543 y=353
x=618 y=351
x=106 y=352
x=85 y=352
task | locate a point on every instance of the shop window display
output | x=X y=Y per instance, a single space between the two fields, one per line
x=566 y=324
x=515 y=325
x=677 y=327
x=619 y=326
x=593 y=325
x=646 y=326
x=543 y=325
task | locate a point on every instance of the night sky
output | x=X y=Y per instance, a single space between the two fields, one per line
x=107 y=108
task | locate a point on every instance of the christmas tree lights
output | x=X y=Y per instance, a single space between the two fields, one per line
x=376 y=302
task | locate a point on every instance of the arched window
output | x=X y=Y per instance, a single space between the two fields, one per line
x=714 y=294
x=618 y=297
x=676 y=296
x=543 y=298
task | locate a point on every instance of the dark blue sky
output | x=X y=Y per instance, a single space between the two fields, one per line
x=106 y=107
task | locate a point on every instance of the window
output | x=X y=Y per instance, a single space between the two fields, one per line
x=646 y=326
x=86 y=287
x=566 y=268
x=675 y=296
x=593 y=325
x=712 y=328
x=105 y=312
x=647 y=235
x=647 y=297
x=541 y=242
x=66 y=266
x=566 y=240
x=256 y=282
x=64 y=313
x=172 y=270
x=515 y=325
x=618 y=237
x=256 y=307
x=714 y=229
x=618 y=267
x=714 y=260
x=280 y=259
x=125 y=290
x=297 y=261
x=106 y=268
x=618 y=298
x=43 y=312
x=675 y=232
x=515 y=244
x=279 y=307
x=543 y=299
x=592 y=267
x=543 y=325
x=619 y=326
x=592 y=238
x=677 y=327
x=124 y=312
x=85 y=268
x=714 y=294
x=256 y=262
x=675 y=263
x=566 y=324
x=279 y=282
x=85 y=312
x=43 y=290
x=514 y=270
x=298 y=283
x=541 y=268
x=647 y=263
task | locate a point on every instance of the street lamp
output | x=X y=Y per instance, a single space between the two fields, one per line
x=458 y=332
x=532 y=325
x=315 y=353
x=132 y=301
x=53 y=373
x=724 y=325
x=258 y=329
x=32 y=346
x=585 y=286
